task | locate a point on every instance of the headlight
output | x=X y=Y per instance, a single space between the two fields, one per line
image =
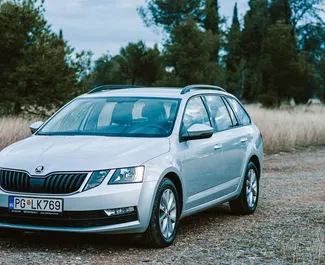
x=96 y=179
x=127 y=175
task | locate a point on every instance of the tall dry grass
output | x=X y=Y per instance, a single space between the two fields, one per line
x=13 y=129
x=282 y=129
x=288 y=128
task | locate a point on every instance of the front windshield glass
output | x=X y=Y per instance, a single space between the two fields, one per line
x=133 y=117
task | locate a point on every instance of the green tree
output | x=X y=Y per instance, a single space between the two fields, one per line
x=280 y=10
x=153 y=65
x=282 y=71
x=37 y=72
x=136 y=64
x=189 y=52
x=212 y=22
x=168 y=13
x=312 y=46
x=322 y=76
x=233 y=58
x=106 y=71
x=252 y=43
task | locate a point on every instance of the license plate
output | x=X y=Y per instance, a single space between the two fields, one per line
x=35 y=204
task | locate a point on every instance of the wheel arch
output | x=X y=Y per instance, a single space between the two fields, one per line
x=257 y=163
x=178 y=184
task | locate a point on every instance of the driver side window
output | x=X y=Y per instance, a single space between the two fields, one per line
x=195 y=113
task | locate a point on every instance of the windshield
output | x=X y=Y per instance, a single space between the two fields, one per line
x=133 y=117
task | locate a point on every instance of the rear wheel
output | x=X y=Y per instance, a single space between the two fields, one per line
x=165 y=215
x=246 y=203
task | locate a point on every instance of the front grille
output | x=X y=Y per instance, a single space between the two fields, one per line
x=52 y=184
x=63 y=183
x=67 y=219
x=14 y=181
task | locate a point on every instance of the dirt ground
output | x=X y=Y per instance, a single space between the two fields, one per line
x=288 y=227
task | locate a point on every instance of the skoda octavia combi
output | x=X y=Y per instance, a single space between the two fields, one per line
x=124 y=159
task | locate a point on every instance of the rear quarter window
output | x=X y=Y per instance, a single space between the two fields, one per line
x=240 y=111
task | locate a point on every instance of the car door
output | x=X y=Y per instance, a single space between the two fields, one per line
x=235 y=161
x=201 y=165
x=225 y=138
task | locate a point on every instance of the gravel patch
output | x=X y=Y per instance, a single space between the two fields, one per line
x=287 y=228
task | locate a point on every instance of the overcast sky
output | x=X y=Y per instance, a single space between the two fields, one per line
x=106 y=25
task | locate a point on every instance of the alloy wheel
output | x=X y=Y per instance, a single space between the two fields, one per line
x=251 y=188
x=167 y=213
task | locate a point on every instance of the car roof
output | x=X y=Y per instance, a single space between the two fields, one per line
x=159 y=92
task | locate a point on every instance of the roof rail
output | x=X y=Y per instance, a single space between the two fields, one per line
x=111 y=87
x=198 y=87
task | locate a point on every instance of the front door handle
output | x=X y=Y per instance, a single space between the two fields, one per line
x=244 y=140
x=217 y=146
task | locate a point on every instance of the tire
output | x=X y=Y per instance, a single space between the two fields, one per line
x=155 y=236
x=247 y=201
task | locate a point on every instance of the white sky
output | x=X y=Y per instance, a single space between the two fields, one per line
x=106 y=25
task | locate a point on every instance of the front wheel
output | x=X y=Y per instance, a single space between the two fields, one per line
x=165 y=215
x=246 y=203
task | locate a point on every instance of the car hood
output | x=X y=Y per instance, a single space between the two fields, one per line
x=80 y=153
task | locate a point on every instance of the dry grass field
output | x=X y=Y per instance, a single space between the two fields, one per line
x=13 y=129
x=282 y=129
x=287 y=128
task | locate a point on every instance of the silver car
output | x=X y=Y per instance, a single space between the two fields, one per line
x=125 y=159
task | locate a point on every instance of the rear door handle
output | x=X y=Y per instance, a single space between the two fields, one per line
x=217 y=146
x=244 y=140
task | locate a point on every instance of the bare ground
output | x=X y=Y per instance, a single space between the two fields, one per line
x=287 y=228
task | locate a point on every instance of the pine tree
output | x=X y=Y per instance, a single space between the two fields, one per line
x=168 y=13
x=212 y=20
x=136 y=64
x=212 y=23
x=36 y=64
x=233 y=59
x=252 y=43
x=233 y=43
x=189 y=53
x=280 y=10
x=282 y=70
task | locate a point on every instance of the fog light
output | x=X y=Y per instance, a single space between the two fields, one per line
x=119 y=211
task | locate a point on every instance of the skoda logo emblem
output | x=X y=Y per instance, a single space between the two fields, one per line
x=39 y=169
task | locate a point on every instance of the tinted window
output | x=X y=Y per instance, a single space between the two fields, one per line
x=219 y=113
x=241 y=113
x=195 y=113
x=122 y=116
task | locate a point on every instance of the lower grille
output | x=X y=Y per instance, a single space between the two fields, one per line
x=68 y=219
x=52 y=184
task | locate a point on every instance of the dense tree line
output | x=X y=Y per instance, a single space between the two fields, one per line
x=275 y=53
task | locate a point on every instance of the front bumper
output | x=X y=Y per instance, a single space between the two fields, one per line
x=84 y=211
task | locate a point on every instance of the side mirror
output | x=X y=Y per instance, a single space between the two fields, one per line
x=198 y=131
x=35 y=126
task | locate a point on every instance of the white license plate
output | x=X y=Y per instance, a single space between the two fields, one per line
x=35 y=204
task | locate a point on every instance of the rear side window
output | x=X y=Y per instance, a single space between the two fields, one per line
x=239 y=110
x=219 y=113
x=195 y=113
x=232 y=114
